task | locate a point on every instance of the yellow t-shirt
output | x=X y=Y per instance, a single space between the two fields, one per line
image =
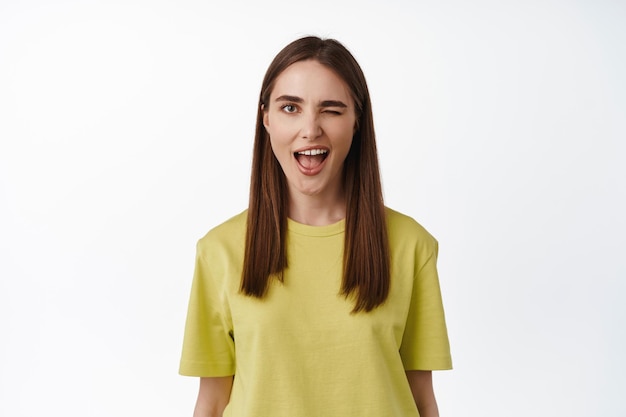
x=299 y=352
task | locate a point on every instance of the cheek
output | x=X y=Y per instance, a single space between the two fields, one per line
x=277 y=138
x=280 y=148
x=342 y=134
x=279 y=130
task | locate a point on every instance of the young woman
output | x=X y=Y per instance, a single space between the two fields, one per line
x=317 y=300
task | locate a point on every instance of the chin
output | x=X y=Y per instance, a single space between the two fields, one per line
x=309 y=190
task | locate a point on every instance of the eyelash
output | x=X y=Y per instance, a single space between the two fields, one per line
x=283 y=108
x=295 y=108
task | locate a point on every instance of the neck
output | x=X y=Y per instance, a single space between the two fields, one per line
x=317 y=210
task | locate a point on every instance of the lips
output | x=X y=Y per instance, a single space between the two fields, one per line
x=311 y=161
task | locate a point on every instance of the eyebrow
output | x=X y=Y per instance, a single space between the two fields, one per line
x=325 y=103
x=332 y=103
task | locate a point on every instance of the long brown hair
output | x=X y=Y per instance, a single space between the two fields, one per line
x=366 y=248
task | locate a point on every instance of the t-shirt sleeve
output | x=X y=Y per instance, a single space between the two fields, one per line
x=425 y=344
x=208 y=344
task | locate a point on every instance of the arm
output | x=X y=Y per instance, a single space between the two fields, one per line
x=421 y=383
x=213 y=396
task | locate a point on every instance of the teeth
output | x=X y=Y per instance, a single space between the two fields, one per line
x=313 y=152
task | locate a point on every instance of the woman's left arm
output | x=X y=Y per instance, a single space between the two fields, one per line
x=421 y=383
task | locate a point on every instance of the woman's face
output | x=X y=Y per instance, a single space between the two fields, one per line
x=310 y=118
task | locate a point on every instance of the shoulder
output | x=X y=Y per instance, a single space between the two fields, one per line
x=403 y=230
x=227 y=235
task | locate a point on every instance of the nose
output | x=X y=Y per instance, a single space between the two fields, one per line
x=311 y=128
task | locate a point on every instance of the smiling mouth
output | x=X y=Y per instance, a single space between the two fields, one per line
x=311 y=158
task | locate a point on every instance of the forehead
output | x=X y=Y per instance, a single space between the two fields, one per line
x=313 y=81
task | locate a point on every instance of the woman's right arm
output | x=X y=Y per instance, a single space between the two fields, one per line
x=213 y=396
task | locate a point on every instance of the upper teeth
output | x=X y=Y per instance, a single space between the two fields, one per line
x=313 y=152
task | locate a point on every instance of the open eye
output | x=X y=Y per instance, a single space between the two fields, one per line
x=289 y=108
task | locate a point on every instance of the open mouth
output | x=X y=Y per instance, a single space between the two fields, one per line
x=311 y=158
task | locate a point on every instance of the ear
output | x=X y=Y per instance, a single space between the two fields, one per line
x=266 y=120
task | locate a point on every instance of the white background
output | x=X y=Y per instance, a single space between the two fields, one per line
x=125 y=134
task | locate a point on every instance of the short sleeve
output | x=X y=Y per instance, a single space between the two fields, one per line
x=208 y=345
x=425 y=344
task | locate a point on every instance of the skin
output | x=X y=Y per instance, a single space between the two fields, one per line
x=213 y=396
x=421 y=383
x=311 y=108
